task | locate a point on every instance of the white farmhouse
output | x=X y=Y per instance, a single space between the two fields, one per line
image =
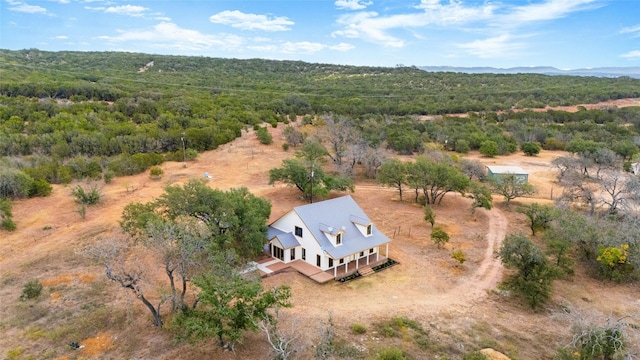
x=330 y=235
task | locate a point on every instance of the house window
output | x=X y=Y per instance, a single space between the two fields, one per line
x=361 y=253
x=368 y=229
x=318 y=261
x=298 y=231
x=304 y=254
x=341 y=261
x=330 y=262
x=278 y=253
x=293 y=254
x=371 y=251
x=338 y=239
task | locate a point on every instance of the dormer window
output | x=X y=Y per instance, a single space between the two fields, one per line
x=298 y=231
x=363 y=225
x=338 y=239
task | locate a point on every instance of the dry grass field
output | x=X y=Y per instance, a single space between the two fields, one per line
x=459 y=306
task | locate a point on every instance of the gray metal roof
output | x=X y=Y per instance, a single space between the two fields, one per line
x=337 y=213
x=507 y=170
x=287 y=239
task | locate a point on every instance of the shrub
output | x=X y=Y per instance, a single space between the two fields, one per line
x=51 y=171
x=108 y=176
x=489 y=148
x=459 y=256
x=8 y=224
x=391 y=354
x=40 y=188
x=554 y=144
x=31 y=290
x=134 y=164
x=475 y=355
x=439 y=236
x=145 y=160
x=14 y=183
x=264 y=136
x=358 y=329
x=462 y=146
x=614 y=264
x=82 y=168
x=179 y=155
x=156 y=172
x=6 y=216
x=89 y=196
x=530 y=148
x=15 y=353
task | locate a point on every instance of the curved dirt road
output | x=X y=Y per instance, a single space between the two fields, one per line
x=489 y=272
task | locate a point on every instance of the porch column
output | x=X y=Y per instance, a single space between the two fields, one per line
x=378 y=254
x=335 y=271
x=346 y=267
x=357 y=265
x=387 y=251
x=368 y=255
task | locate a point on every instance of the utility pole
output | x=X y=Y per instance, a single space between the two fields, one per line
x=184 y=151
x=312 y=183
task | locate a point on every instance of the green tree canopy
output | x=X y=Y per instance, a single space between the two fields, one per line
x=228 y=305
x=307 y=174
x=511 y=187
x=534 y=276
x=436 y=179
x=236 y=218
x=530 y=148
x=393 y=172
x=489 y=148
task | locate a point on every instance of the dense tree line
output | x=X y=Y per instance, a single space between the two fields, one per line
x=61 y=105
x=294 y=86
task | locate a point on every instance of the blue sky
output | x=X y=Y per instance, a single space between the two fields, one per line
x=567 y=34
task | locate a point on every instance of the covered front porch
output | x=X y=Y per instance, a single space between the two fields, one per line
x=348 y=268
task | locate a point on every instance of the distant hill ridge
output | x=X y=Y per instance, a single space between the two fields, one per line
x=633 y=72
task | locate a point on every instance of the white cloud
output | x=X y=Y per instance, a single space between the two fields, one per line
x=240 y=20
x=635 y=54
x=547 y=10
x=496 y=47
x=61 y=37
x=631 y=30
x=352 y=4
x=342 y=47
x=171 y=36
x=301 y=47
x=372 y=27
x=264 y=48
x=19 y=6
x=130 y=10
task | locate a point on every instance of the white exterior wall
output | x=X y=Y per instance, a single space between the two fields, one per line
x=288 y=223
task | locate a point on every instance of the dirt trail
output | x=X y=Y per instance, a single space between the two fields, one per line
x=489 y=272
